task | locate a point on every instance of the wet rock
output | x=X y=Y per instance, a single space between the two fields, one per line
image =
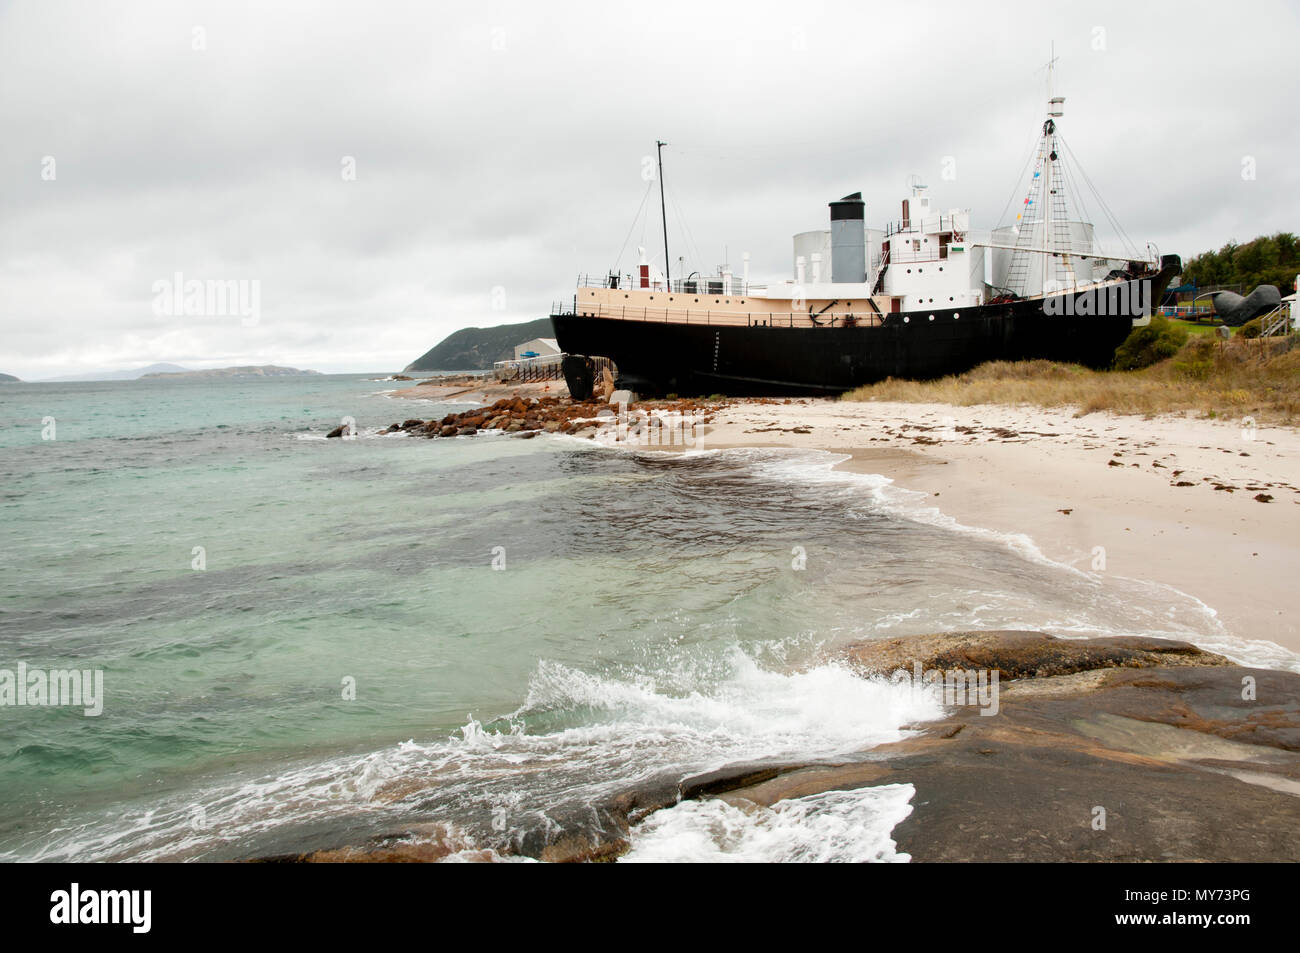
x=1186 y=763
x=1018 y=654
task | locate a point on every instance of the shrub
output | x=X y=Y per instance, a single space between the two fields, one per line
x=1149 y=345
x=1252 y=329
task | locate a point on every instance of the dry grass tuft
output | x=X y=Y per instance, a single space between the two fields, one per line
x=1235 y=378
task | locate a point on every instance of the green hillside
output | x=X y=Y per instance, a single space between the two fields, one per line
x=475 y=349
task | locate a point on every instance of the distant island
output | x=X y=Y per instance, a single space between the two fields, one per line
x=261 y=370
x=130 y=375
x=8 y=379
x=476 y=349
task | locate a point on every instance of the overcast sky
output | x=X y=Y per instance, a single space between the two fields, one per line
x=499 y=146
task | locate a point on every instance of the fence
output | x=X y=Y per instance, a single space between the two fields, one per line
x=546 y=368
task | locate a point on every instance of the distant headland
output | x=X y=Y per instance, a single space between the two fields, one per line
x=261 y=370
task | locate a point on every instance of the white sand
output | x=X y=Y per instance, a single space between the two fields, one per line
x=1236 y=554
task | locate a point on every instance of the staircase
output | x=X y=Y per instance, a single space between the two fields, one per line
x=1277 y=320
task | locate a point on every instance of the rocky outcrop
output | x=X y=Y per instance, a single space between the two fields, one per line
x=1119 y=749
x=1016 y=654
x=527 y=416
x=1128 y=749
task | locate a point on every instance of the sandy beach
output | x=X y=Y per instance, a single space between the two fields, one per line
x=1204 y=506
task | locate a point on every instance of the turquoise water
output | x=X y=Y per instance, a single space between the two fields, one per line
x=647 y=621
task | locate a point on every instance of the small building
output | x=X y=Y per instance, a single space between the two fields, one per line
x=537 y=347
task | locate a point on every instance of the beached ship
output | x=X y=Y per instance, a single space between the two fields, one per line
x=921 y=298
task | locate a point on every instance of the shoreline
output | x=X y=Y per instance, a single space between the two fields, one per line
x=1169 y=499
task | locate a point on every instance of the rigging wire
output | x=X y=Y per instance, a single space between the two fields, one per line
x=1110 y=216
x=688 y=239
x=1017 y=188
x=618 y=261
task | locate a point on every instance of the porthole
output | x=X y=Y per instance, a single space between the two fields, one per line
x=907 y=320
x=941 y=267
x=919 y=270
x=931 y=317
x=670 y=299
x=909 y=271
x=624 y=296
x=949 y=297
x=956 y=315
x=697 y=300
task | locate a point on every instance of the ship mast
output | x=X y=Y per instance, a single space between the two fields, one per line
x=663 y=213
x=1045 y=208
x=1049 y=127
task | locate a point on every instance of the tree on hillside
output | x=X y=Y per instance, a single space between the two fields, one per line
x=1268 y=260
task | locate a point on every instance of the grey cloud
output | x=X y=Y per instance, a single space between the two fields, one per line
x=502 y=146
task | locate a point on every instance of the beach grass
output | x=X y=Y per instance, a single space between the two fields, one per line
x=1209 y=377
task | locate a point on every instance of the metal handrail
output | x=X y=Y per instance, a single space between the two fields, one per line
x=713 y=284
x=780 y=319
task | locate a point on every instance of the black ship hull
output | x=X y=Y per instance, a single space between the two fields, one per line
x=658 y=357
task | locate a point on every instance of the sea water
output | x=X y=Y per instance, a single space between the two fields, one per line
x=309 y=643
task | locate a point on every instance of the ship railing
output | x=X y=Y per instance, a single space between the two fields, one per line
x=947 y=223
x=735 y=319
x=710 y=284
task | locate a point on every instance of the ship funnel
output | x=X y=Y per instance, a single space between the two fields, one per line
x=848 y=240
